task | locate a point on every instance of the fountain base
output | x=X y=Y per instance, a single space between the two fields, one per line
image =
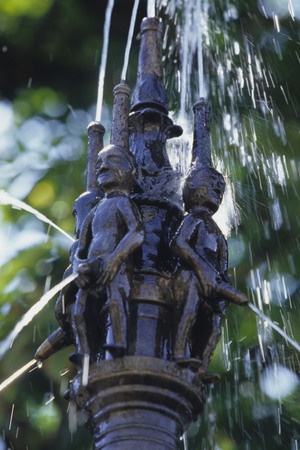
x=138 y=402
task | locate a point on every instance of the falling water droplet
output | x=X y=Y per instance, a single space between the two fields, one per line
x=39 y=364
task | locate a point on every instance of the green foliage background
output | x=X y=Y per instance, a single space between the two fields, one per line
x=49 y=55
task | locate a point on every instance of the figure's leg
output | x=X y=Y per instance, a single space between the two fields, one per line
x=204 y=339
x=80 y=323
x=118 y=294
x=212 y=340
x=64 y=308
x=188 y=290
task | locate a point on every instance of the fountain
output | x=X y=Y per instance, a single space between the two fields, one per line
x=152 y=284
x=157 y=189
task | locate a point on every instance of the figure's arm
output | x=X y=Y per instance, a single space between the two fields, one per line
x=181 y=246
x=132 y=239
x=223 y=258
x=208 y=277
x=223 y=287
x=80 y=264
x=84 y=238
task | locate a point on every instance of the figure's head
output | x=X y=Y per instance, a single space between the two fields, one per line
x=115 y=168
x=203 y=186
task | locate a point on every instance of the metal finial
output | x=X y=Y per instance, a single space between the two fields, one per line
x=201 y=153
x=119 y=130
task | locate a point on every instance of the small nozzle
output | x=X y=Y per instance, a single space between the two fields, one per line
x=55 y=342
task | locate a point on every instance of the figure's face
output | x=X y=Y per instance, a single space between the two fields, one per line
x=205 y=191
x=114 y=169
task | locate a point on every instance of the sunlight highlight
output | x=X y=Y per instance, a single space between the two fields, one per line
x=129 y=40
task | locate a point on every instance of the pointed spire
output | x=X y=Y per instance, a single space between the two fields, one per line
x=150 y=98
x=119 y=129
x=95 y=132
x=150 y=91
x=201 y=153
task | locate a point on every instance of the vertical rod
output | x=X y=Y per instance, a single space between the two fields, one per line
x=201 y=153
x=95 y=144
x=119 y=129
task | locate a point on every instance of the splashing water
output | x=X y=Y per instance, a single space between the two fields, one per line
x=7 y=343
x=6 y=199
x=108 y=14
x=275 y=326
x=250 y=146
x=129 y=39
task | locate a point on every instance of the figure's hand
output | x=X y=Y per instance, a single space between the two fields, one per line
x=110 y=269
x=84 y=271
x=209 y=281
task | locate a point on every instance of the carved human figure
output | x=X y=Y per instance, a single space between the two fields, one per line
x=201 y=282
x=64 y=336
x=111 y=232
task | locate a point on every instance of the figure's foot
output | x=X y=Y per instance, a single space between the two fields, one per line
x=116 y=350
x=191 y=363
x=208 y=377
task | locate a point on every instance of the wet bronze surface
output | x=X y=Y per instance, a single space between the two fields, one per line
x=145 y=311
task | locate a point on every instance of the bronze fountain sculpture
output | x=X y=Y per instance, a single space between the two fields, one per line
x=144 y=312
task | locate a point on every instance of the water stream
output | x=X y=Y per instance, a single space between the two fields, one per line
x=6 y=199
x=102 y=70
x=7 y=343
x=129 y=39
x=275 y=326
x=151 y=8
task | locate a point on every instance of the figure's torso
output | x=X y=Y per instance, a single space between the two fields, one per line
x=107 y=226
